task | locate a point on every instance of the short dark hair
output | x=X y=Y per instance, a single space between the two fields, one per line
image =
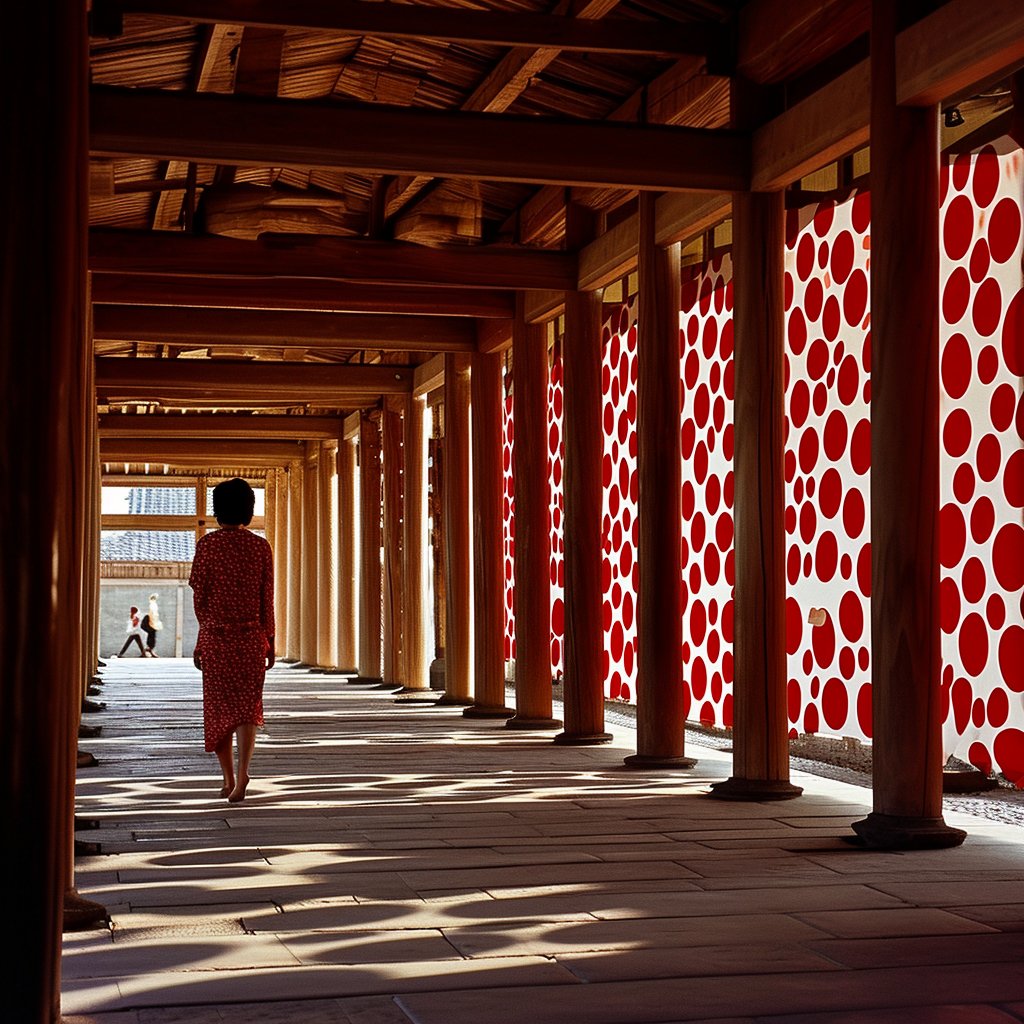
x=233 y=502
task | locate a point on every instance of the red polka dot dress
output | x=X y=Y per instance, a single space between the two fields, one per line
x=233 y=592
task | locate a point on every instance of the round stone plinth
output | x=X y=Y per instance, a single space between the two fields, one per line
x=448 y=701
x=582 y=739
x=482 y=711
x=754 y=789
x=533 y=723
x=895 y=832
x=654 y=762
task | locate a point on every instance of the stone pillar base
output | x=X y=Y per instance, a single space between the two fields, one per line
x=754 y=789
x=483 y=711
x=80 y=913
x=895 y=832
x=582 y=739
x=365 y=681
x=653 y=761
x=521 y=722
x=448 y=701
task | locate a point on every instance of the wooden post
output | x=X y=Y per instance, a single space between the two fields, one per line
x=369 y=550
x=281 y=560
x=347 y=604
x=660 y=718
x=326 y=613
x=583 y=673
x=533 y=539
x=457 y=687
x=201 y=502
x=43 y=344
x=414 y=528
x=310 y=585
x=294 y=560
x=488 y=560
x=906 y=655
x=391 y=432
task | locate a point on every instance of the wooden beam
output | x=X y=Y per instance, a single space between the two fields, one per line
x=346 y=259
x=350 y=428
x=428 y=377
x=193 y=452
x=222 y=382
x=456 y=25
x=158 y=522
x=299 y=293
x=246 y=328
x=494 y=335
x=280 y=428
x=365 y=137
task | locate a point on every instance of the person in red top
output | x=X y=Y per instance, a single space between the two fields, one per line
x=232 y=582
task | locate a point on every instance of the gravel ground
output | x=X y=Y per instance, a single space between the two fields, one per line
x=844 y=761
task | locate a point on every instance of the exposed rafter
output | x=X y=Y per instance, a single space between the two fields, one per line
x=248 y=328
x=171 y=452
x=379 y=139
x=221 y=427
x=345 y=259
x=457 y=25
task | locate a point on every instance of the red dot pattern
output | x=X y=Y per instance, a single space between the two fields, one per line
x=556 y=508
x=509 y=509
x=981 y=533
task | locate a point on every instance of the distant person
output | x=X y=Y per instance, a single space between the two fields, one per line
x=233 y=592
x=134 y=633
x=150 y=624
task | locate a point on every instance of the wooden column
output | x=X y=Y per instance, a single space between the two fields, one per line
x=533 y=538
x=391 y=433
x=326 y=613
x=760 y=723
x=201 y=502
x=415 y=656
x=295 y=473
x=369 y=550
x=42 y=341
x=660 y=714
x=281 y=560
x=457 y=686
x=347 y=603
x=906 y=656
x=583 y=674
x=488 y=558
x=309 y=588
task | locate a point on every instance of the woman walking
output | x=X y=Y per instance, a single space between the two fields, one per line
x=233 y=592
x=134 y=633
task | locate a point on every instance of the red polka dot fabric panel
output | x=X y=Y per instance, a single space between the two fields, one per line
x=827 y=470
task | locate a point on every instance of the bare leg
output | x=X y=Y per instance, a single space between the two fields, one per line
x=223 y=750
x=246 y=742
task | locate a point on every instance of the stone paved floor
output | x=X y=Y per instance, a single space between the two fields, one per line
x=404 y=864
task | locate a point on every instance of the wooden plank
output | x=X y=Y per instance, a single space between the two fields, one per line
x=304 y=428
x=953 y=50
x=246 y=328
x=494 y=335
x=680 y=217
x=374 y=138
x=346 y=259
x=539 y=307
x=610 y=257
x=298 y=293
x=350 y=429
x=194 y=452
x=148 y=522
x=428 y=376
x=222 y=381
x=454 y=24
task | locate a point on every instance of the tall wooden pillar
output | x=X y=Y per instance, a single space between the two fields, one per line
x=760 y=722
x=295 y=473
x=326 y=614
x=369 y=550
x=533 y=538
x=660 y=713
x=347 y=603
x=391 y=433
x=415 y=656
x=906 y=656
x=457 y=686
x=42 y=355
x=281 y=560
x=488 y=557
x=309 y=588
x=583 y=675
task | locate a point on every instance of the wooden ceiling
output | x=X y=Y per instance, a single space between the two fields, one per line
x=352 y=182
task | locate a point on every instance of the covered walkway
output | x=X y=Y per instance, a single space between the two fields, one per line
x=396 y=864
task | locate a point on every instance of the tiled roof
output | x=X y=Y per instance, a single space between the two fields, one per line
x=147 y=546
x=162 y=501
